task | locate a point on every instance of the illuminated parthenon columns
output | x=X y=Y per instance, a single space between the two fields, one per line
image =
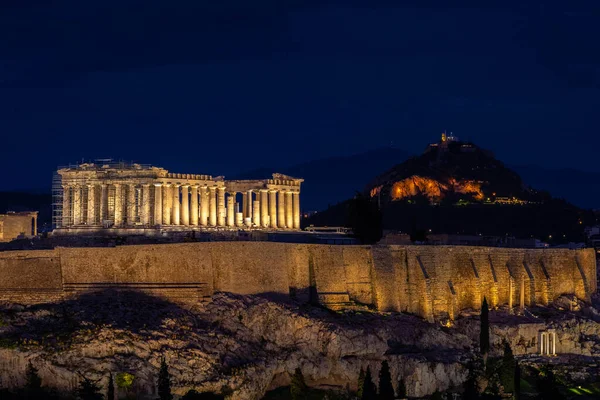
x=133 y=196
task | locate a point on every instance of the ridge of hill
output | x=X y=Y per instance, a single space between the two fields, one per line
x=458 y=187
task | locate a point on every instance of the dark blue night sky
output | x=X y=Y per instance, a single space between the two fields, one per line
x=226 y=88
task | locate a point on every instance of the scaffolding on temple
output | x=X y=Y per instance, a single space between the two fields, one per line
x=57 y=189
x=57 y=200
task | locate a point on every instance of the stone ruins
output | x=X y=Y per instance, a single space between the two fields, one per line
x=131 y=198
x=15 y=224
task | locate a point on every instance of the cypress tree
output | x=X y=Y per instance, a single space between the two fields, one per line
x=88 y=390
x=164 y=382
x=484 y=334
x=361 y=383
x=507 y=371
x=365 y=219
x=386 y=390
x=437 y=396
x=369 y=390
x=547 y=386
x=470 y=385
x=33 y=383
x=110 y=392
x=401 y=389
x=298 y=387
x=517 y=383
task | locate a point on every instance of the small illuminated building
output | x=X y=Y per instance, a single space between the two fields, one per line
x=18 y=224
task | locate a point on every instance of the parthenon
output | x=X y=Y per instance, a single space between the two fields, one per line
x=104 y=196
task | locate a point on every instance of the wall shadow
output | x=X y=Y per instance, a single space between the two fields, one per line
x=54 y=324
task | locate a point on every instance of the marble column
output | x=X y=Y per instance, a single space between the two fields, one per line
x=66 y=212
x=273 y=208
x=204 y=205
x=167 y=204
x=289 y=213
x=176 y=208
x=212 y=201
x=185 y=204
x=118 y=204
x=146 y=204
x=542 y=335
x=281 y=208
x=194 y=206
x=256 y=212
x=244 y=204
x=158 y=212
x=250 y=204
x=77 y=206
x=296 y=209
x=239 y=219
x=221 y=206
x=103 y=203
x=231 y=210
x=91 y=216
x=264 y=208
x=131 y=205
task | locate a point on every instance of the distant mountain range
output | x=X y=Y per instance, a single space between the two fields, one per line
x=458 y=187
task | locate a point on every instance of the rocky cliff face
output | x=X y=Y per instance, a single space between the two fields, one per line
x=242 y=345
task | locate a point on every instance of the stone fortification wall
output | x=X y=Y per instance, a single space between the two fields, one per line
x=435 y=282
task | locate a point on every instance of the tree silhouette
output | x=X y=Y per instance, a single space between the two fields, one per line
x=484 y=333
x=507 y=370
x=401 y=392
x=298 y=387
x=547 y=387
x=365 y=219
x=195 y=395
x=110 y=392
x=164 y=381
x=33 y=383
x=88 y=390
x=470 y=385
x=361 y=383
x=386 y=390
x=517 y=382
x=369 y=391
x=436 y=396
